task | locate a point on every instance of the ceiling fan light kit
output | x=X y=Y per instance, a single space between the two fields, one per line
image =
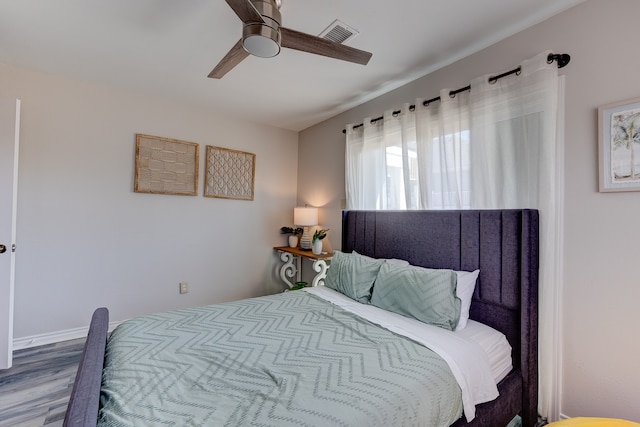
x=263 y=39
x=263 y=36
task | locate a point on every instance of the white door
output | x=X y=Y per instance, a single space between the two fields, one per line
x=9 y=131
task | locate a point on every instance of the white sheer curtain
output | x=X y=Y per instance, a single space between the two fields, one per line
x=496 y=146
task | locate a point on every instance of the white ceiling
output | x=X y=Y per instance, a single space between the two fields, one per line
x=167 y=48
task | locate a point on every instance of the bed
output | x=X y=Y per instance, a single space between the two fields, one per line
x=502 y=244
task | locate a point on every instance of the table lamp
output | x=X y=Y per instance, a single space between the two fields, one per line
x=305 y=217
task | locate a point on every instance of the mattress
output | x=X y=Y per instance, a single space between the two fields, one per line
x=286 y=359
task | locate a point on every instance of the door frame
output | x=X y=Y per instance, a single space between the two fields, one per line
x=9 y=145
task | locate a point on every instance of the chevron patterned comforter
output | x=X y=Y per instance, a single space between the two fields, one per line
x=291 y=359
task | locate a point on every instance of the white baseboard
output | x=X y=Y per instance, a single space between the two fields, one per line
x=564 y=417
x=54 y=337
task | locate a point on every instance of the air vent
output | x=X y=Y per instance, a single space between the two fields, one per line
x=338 y=32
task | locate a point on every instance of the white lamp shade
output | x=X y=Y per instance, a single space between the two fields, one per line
x=305 y=217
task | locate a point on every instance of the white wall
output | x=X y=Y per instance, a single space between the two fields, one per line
x=600 y=369
x=85 y=239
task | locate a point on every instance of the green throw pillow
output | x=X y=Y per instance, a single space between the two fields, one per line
x=424 y=294
x=352 y=275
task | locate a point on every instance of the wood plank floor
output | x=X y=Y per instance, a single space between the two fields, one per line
x=35 y=391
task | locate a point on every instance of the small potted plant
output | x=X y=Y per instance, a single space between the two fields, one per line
x=316 y=241
x=293 y=238
x=299 y=285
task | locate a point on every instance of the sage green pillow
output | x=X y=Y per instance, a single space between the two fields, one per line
x=424 y=294
x=352 y=275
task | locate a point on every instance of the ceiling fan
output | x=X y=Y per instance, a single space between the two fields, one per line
x=263 y=36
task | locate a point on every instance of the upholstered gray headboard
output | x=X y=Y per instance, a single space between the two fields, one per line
x=503 y=244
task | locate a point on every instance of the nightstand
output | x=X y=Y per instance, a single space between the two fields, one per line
x=292 y=259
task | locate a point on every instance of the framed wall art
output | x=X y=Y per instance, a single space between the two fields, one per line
x=229 y=174
x=619 y=146
x=166 y=166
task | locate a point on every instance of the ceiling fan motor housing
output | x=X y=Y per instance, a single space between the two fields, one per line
x=263 y=38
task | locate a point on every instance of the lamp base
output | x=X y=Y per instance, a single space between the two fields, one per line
x=305 y=241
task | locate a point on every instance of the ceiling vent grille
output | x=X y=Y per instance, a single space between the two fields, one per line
x=338 y=32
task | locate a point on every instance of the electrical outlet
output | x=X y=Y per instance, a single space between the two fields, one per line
x=184 y=287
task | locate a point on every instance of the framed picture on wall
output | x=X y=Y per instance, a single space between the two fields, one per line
x=166 y=166
x=619 y=146
x=229 y=173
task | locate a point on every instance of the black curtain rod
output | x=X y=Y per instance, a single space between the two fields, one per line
x=562 y=59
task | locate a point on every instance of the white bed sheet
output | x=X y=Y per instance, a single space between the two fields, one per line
x=494 y=344
x=466 y=358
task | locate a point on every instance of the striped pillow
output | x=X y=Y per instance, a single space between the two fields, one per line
x=352 y=275
x=425 y=294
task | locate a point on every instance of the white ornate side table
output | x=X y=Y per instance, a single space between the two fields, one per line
x=291 y=257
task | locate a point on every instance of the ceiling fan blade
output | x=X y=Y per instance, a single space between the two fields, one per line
x=307 y=43
x=230 y=60
x=245 y=10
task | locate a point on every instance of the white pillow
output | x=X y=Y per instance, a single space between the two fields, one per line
x=464 y=291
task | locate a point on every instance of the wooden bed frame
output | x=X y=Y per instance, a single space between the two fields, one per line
x=503 y=244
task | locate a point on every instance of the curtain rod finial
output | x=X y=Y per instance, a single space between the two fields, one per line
x=562 y=58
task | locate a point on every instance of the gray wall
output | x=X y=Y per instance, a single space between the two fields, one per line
x=601 y=289
x=85 y=239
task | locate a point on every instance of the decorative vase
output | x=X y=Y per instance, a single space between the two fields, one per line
x=316 y=247
x=293 y=241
